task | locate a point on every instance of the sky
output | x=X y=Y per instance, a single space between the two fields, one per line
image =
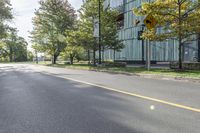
x=23 y=11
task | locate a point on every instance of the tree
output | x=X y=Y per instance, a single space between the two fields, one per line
x=30 y=55
x=5 y=14
x=3 y=52
x=88 y=13
x=13 y=46
x=37 y=49
x=110 y=32
x=86 y=39
x=20 y=50
x=71 y=52
x=51 y=21
x=11 y=42
x=73 y=49
x=179 y=20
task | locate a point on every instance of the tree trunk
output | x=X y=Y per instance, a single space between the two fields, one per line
x=199 y=47
x=180 y=55
x=180 y=37
x=103 y=54
x=114 y=56
x=36 y=57
x=94 y=57
x=71 y=59
x=54 y=59
x=88 y=56
x=11 y=54
x=11 y=59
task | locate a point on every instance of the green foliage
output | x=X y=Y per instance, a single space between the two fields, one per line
x=5 y=14
x=89 y=12
x=3 y=52
x=20 y=50
x=13 y=47
x=179 y=20
x=85 y=29
x=114 y=64
x=51 y=21
x=5 y=10
x=30 y=56
x=38 y=48
x=109 y=32
x=73 y=49
x=175 y=24
x=73 y=52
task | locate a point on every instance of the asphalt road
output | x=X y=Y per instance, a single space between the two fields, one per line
x=34 y=102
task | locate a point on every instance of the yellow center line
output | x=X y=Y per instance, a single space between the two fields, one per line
x=131 y=94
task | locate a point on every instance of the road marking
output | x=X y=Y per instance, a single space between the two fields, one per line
x=130 y=94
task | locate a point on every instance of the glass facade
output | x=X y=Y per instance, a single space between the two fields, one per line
x=160 y=51
x=116 y=3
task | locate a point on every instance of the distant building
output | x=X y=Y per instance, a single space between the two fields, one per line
x=165 y=51
x=40 y=58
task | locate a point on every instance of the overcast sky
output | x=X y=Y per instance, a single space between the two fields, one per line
x=24 y=11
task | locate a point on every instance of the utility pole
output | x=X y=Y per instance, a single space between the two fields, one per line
x=99 y=32
x=148 y=56
x=148 y=53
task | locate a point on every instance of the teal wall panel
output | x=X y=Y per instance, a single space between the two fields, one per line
x=160 y=51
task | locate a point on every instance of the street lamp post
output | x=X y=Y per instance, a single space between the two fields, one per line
x=140 y=38
x=143 y=26
x=199 y=47
x=99 y=32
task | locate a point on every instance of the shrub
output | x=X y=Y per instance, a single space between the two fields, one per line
x=114 y=64
x=186 y=66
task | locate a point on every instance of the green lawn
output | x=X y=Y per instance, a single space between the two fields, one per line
x=133 y=70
